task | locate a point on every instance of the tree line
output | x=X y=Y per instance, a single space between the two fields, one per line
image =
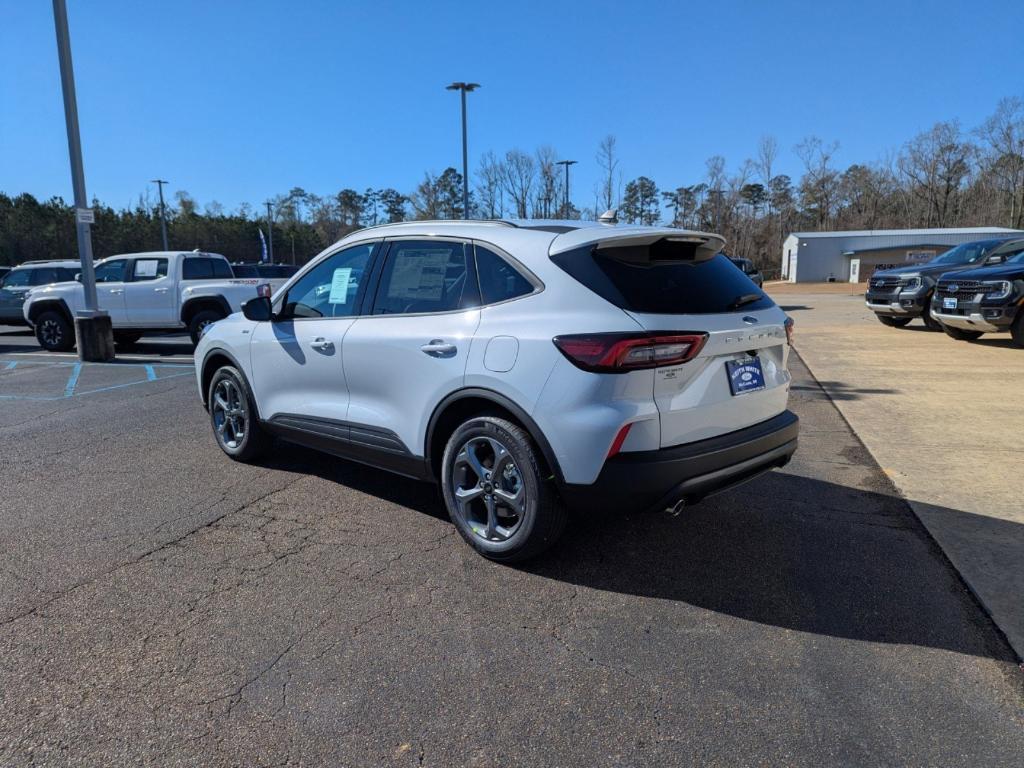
x=946 y=176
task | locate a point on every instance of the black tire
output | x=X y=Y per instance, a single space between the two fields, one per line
x=543 y=516
x=126 y=338
x=1017 y=330
x=253 y=440
x=200 y=320
x=893 y=322
x=960 y=334
x=930 y=322
x=54 y=331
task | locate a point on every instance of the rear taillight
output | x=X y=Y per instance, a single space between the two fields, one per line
x=789 y=331
x=622 y=352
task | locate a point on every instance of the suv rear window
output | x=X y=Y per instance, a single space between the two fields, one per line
x=629 y=279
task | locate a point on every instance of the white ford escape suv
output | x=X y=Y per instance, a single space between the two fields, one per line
x=528 y=367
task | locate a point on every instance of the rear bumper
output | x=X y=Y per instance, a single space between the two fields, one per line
x=636 y=481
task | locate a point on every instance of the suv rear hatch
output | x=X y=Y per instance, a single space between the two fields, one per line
x=677 y=282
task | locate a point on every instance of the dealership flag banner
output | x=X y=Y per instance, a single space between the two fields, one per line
x=263 y=245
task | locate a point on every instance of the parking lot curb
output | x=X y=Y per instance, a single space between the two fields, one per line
x=918 y=509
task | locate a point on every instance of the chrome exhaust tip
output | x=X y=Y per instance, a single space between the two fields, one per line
x=676 y=509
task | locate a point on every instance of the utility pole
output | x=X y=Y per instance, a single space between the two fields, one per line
x=464 y=88
x=163 y=211
x=270 y=232
x=566 y=163
x=93 y=331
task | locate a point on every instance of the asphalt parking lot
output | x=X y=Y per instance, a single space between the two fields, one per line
x=160 y=604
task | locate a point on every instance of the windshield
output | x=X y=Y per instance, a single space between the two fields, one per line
x=967 y=253
x=1017 y=258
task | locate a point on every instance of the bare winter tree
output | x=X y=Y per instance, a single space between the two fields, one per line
x=818 y=188
x=489 y=195
x=519 y=173
x=1002 y=157
x=607 y=159
x=936 y=163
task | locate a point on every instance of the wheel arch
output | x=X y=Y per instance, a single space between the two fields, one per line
x=217 y=358
x=465 y=403
x=195 y=305
x=47 y=305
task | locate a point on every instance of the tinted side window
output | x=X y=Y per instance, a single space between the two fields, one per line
x=673 y=288
x=196 y=269
x=499 y=280
x=221 y=269
x=18 y=278
x=111 y=271
x=149 y=269
x=426 y=276
x=331 y=287
x=244 y=270
x=65 y=274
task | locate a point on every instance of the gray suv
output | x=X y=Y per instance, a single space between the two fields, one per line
x=16 y=284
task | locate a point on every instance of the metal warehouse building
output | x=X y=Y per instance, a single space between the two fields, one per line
x=809 y=257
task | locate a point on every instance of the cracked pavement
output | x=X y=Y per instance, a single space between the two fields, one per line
x=162 y=605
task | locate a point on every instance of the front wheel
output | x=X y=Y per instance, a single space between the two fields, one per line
x=960 y=334
x=893 y=322
x=233 y=416
x=54 y=332
x=496 y=493
x=930 y=322
x=202 y=319
x=1017 y=330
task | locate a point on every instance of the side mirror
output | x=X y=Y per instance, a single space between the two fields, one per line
x=995 y=259
x=78 y=277
x=258 y=310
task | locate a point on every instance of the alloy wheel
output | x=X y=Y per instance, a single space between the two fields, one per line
x=488 y=488
x=229 y=415
x=51 y=332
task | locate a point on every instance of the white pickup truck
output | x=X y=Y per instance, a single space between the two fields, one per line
x=143 y=292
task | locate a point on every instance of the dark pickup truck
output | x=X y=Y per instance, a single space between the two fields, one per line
x=897 y=296
x=986 y=300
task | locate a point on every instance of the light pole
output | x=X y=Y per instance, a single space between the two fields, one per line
x=93 y=330
x=270 y=232
x=163 y=210
x=464 y=88
x=566 y=163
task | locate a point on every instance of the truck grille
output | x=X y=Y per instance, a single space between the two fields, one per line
x=962 y=289
x=884 y=283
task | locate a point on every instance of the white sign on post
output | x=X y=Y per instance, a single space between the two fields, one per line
x=85 y=216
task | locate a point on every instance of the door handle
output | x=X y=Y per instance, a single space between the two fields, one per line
x=321 y=343
x=439 y=348
x=115 y=291
x=161 y=290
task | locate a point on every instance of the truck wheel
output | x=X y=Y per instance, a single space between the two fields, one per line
x=961 y=335
x=930 y=322
x=496 y=492
x=893 y=322
x=233 y=416
x=126 y=338
x=202 y=319
x=54 y=332
x=1017 y=330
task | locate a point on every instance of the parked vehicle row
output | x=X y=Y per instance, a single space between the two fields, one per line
x=160 y=291
x=972 y=289
x=526 y=368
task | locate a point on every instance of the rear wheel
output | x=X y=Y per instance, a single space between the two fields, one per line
x=54 y=332
x=893 y=322
x=960 y=334
x=1017 y=329
x=496 y=493
x=233 y=416
x=199 y=322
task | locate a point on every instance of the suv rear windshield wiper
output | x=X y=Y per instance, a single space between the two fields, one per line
x=746 y=298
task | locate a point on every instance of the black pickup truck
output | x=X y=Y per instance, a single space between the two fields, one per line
x=897 y=296
x=986 y=300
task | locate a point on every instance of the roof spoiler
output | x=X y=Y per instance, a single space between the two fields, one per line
x=661 y=245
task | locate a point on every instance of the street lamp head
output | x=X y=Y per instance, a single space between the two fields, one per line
x=460 y=86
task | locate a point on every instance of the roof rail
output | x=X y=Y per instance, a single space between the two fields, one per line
x=493 y=222
x=42 y=261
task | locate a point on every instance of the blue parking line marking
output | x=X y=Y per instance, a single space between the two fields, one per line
x=11 y=365
x=150 y=373
x=69 y=390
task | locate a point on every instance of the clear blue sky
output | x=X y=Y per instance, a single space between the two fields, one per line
x=237 y=101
